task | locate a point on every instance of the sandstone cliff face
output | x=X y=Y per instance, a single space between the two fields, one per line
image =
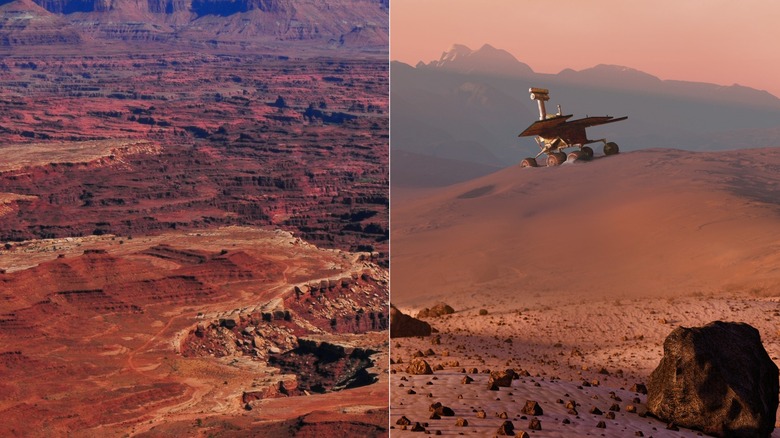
x=168 y=6
x=352 y=23
x=24 y=23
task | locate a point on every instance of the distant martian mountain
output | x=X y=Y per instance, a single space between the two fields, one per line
x=470 y=105
x=487 y=59
x=355 y=24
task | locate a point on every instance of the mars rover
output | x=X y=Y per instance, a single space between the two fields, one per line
x=555 y=132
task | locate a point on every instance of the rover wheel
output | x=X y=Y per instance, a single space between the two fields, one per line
x=555 y=159
x=576 y=155
x=529 y=162
x=611 y=148
x=588 y=151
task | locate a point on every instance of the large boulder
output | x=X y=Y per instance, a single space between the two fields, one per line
x=718 y=379
x=403 y=326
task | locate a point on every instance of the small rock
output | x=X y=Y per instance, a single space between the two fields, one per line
x=639 y=388
x=442 y=410
x=535 y=424
x=403 y=421
x=438 y=309
x=502 y=378
x=532 y=408
x=506 y=428
x=419 y=366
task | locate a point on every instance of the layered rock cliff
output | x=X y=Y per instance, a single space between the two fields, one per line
x=353 y=23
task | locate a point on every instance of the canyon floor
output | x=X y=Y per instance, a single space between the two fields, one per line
x=194 y=244
x=106 y=337
x=574 y=276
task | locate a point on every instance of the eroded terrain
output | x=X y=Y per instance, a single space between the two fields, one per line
x=129 y=325
x=193 y=244
x=255 y=140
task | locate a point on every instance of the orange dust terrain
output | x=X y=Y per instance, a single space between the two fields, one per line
x=573 y=276
x=193 y=244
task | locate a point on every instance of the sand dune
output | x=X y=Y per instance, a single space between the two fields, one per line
x=583 y=270
x=654 y=222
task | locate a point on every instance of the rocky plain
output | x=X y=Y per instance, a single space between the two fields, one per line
x=563 y=284
x=194 y=225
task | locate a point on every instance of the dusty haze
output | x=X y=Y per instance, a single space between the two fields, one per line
x=719 y=41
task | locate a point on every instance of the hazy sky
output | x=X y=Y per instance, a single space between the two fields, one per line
x=718 y=41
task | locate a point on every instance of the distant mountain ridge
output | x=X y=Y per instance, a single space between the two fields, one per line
x=490 y=60
x=487 y=59
x=469 y=105
x=331 y=23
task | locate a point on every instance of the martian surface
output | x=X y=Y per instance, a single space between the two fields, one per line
x=573 y=276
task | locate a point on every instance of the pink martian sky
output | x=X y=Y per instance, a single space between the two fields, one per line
x=718 y=41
